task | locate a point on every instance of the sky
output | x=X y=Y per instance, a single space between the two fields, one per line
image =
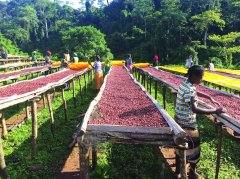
x=75 y=3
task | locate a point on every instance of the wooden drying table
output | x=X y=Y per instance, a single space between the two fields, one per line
x=89 y=135
x=149 y=79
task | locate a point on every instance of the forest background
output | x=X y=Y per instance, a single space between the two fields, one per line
x=172 y=29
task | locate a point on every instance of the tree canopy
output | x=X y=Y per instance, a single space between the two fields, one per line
x=171 y=29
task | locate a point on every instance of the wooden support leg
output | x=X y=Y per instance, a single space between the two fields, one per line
x=74 y=94
x=183 y=169
x=54 y=93
x=85 y=83
x=4 y=126
x=94 y=157
x=84 y=163
x=80 y=86
x=162 y=171
x=164 y=89
x=27 y=110
x=64 y=104
x=3 y=170
x=34 y=127
x=150 y=85
x=155 y=89
x=51 y=113
x=44 y=99
x=219 y=150
x=147 y=82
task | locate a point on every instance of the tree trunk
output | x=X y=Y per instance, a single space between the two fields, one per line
x=46 y=27
x=205 y=37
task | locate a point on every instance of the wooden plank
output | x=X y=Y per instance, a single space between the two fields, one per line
x=129 y=129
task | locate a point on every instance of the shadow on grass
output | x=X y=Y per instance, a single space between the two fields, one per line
x=51 y=151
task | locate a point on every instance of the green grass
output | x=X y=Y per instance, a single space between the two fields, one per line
x=51 y=151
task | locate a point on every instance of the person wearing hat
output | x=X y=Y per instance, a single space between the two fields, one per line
x=47 y=57
x=34 y=58
x=75 y=57
x=98 y=72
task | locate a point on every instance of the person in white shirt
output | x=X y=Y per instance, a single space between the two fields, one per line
x=189 y=62
x=210 y=66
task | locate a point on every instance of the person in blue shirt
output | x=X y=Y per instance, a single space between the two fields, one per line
x=129 y=62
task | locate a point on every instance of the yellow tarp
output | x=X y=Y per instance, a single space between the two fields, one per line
x=117 y=63
x=141 y=65
x=235 y=72
x=221 y=80
x=79 y=66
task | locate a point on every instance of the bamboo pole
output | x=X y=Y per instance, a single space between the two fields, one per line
x=74 y=94
x=34 y=127
x=219 y=150
x=51 y=113
x=27 y=110
x=64 y=104
x=4 y=126
x=3 y=170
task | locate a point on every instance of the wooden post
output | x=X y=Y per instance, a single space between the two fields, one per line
x=155 y=89
x=94 y=157
x=44 y=99
x=85 y=82
x=147 y=82
x=74 y=94
x=144 y=79
x=150 y=84
x=64 y=104
x=4 y=126
x=34 y=127
x=84 y=163
x=80 y=86
x=164 y=95
x=219 y=149
x=3 y=170
x=27 y=110
x=51 y=113
x=183 y=169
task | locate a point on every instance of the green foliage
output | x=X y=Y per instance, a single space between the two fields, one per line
x=8 y=46
x=87 y=41
x=207 y=18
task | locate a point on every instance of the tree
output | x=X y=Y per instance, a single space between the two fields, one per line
x=208 y=18
x=86 y=40
x=226 y=45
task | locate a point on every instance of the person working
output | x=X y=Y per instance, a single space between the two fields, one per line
x=189 y=62
x=34 y=58
x=129 y=62
x=210 y=66
x=98 y=73
x=47 y=58
x=75 y=58
x=3 y=55
x=64 y=62
x=155 y=61
x=185 y=115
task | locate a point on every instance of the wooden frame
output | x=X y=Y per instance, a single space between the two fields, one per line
x=88 y=135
